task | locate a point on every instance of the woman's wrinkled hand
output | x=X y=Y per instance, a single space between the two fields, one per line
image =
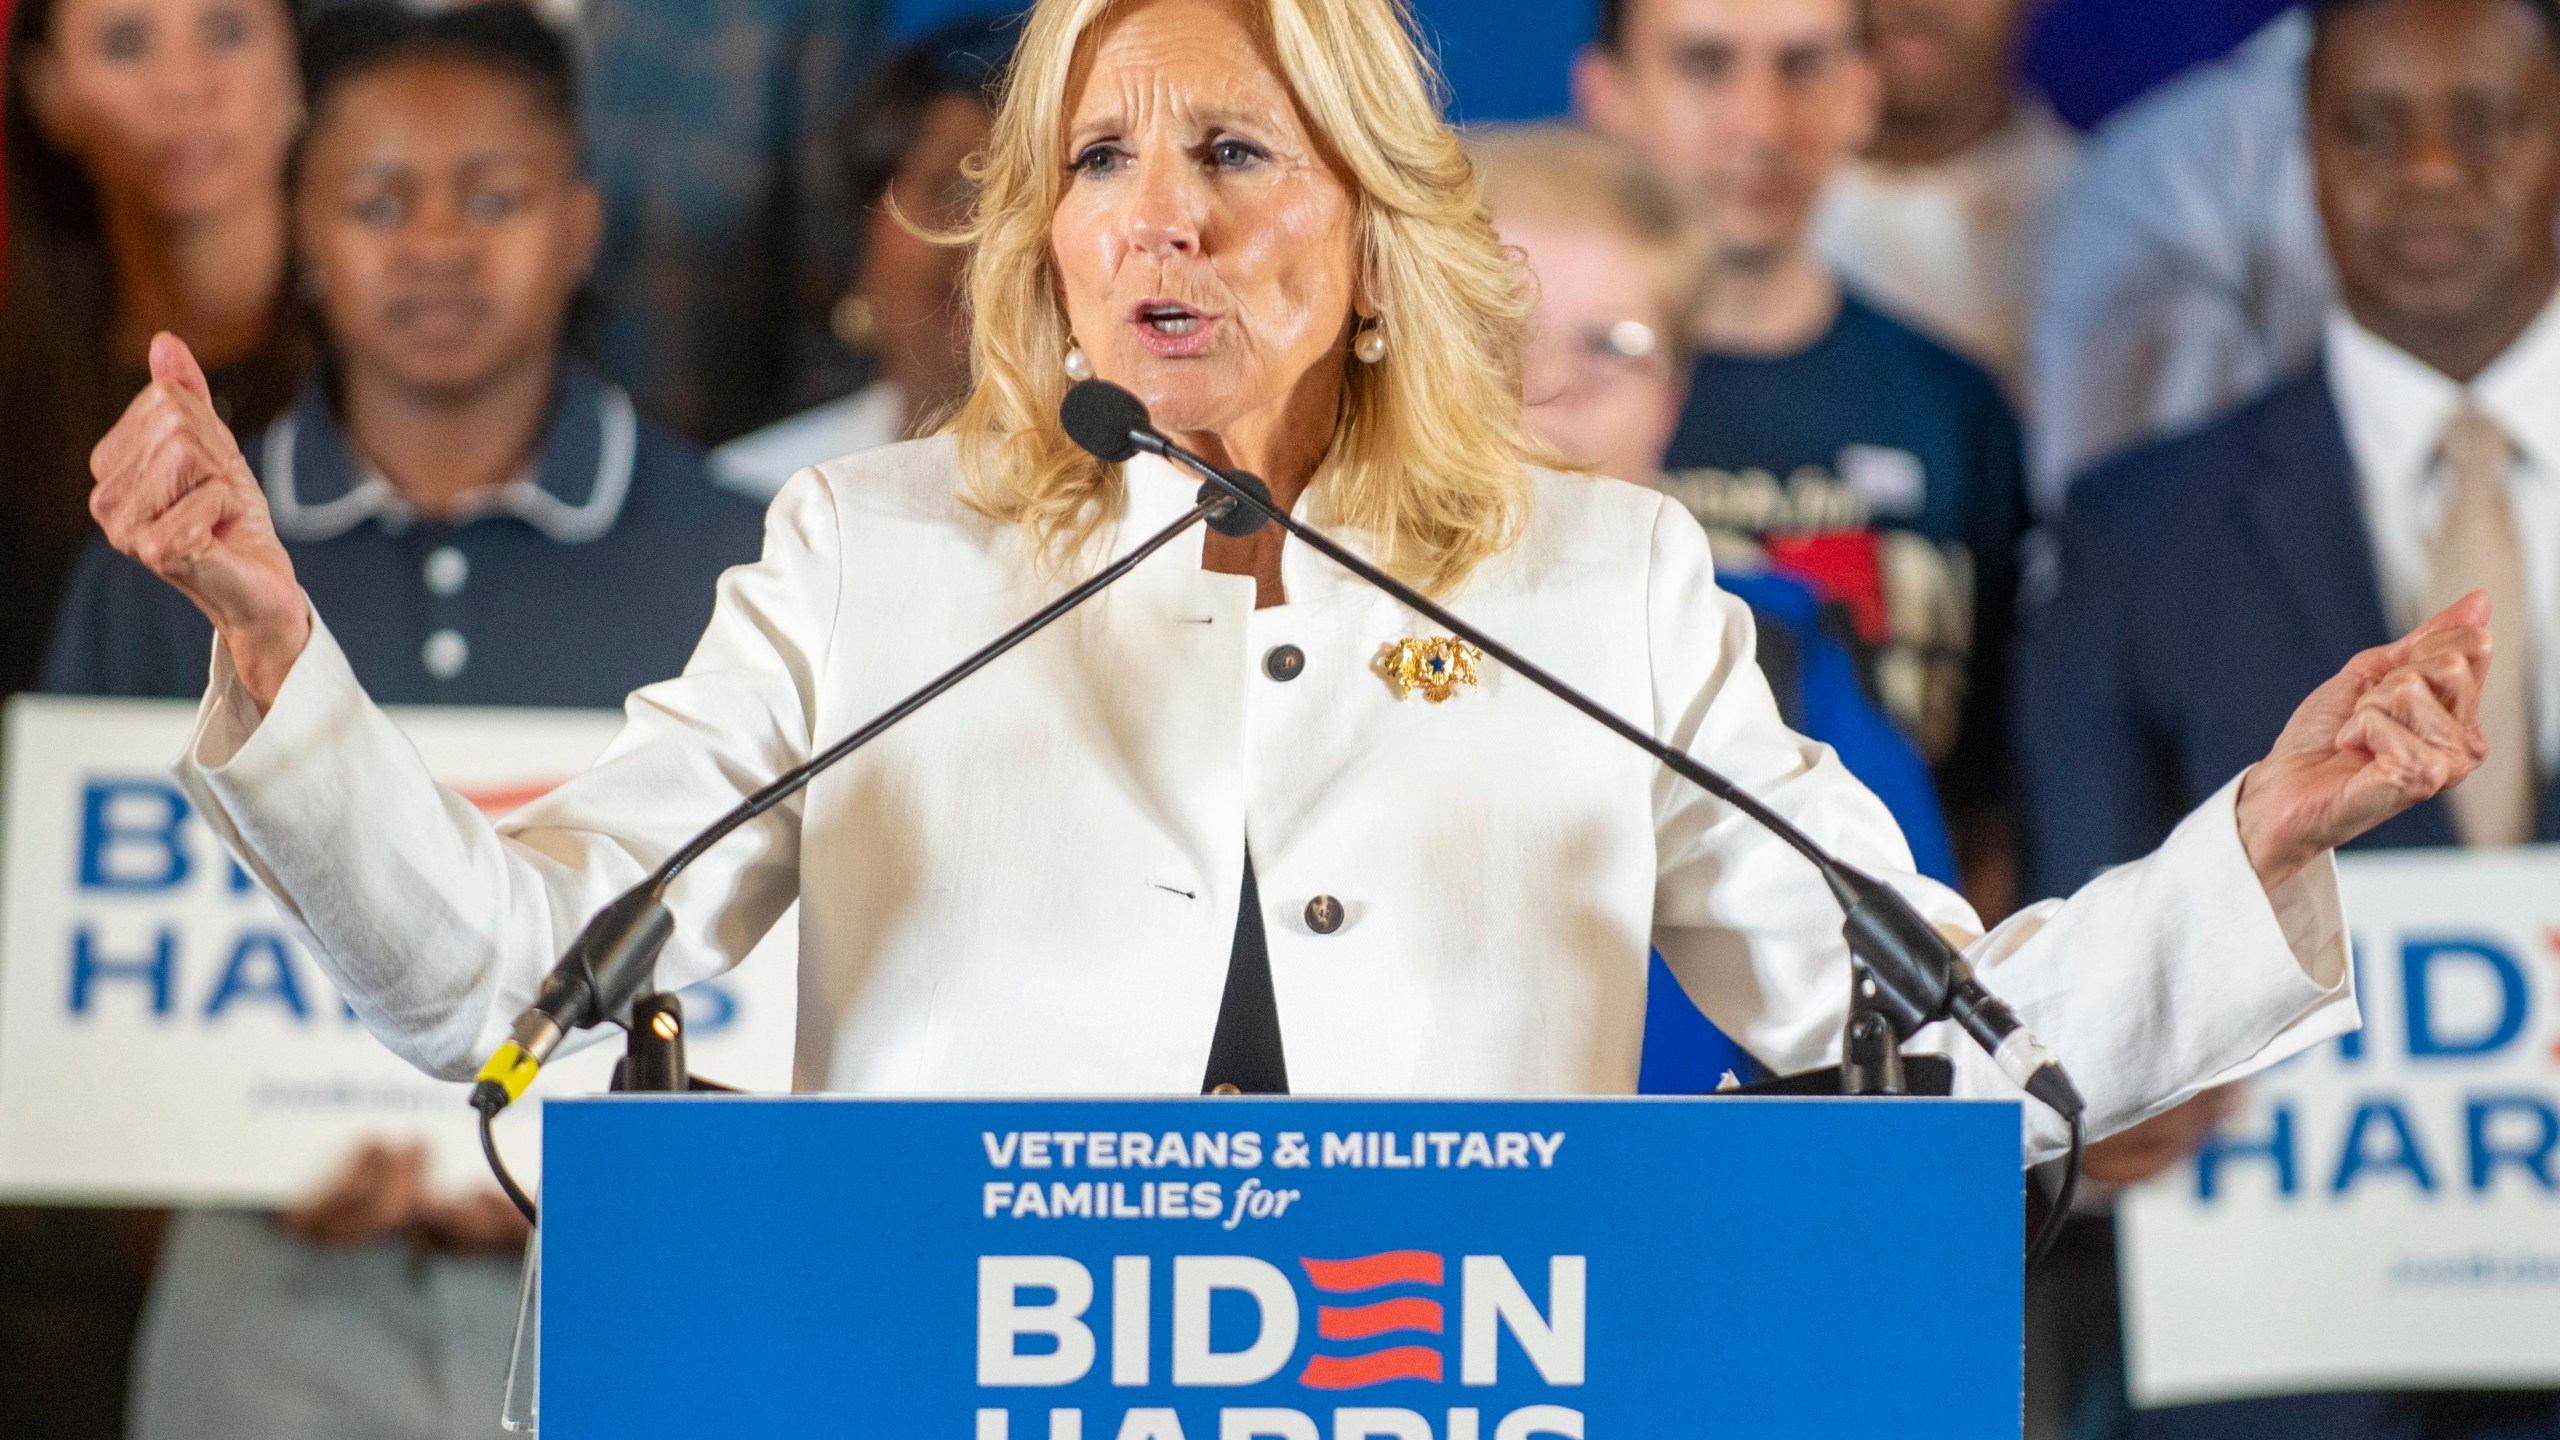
x=2399 y=725
x=174 y=493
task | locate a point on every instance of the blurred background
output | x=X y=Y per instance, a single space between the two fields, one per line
x=2068 y=386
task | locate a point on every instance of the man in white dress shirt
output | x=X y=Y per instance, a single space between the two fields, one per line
x=2440 y=226
x=2419 y=457
x=2187 y=273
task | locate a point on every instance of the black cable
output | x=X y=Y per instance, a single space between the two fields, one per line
x=498 y=1167
x=2060 y=1214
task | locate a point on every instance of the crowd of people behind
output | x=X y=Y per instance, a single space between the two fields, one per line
x=2053 y=467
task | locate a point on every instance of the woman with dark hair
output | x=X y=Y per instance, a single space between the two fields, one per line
x=901 y=151
x=145 y=157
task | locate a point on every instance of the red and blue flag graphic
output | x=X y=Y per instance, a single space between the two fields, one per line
x=1385 y=1316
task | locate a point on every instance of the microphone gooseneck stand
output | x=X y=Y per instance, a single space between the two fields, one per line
x=601 y=978
x=1902 y=973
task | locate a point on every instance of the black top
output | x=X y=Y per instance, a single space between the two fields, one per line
x=1245 y=1052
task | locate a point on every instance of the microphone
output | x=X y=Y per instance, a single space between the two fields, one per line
x=1913 y=977
x=615 y=957
x=603 y=971
x=1106 y=420
x=1112 y=425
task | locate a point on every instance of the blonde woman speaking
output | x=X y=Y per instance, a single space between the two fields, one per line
x=1205 y=796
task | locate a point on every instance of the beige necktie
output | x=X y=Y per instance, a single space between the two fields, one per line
x=2476 y=549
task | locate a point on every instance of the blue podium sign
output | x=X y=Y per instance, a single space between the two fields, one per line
x=1280 y=1269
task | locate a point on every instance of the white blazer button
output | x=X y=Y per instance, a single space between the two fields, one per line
x=445 y=653
x=1324 y=914
x=448 y=570
x=1285 y=662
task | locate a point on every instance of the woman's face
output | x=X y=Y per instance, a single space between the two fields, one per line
x=1204 y=247
x=445 y=225
x=181 y=108
x=1600 y=383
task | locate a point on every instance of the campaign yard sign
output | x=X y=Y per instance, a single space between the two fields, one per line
x=2384 y=1213
x=163 y=1037
x=1281 y=1269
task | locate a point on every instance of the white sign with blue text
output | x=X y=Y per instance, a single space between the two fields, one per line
x=163 y=1037
x=2383 y=1212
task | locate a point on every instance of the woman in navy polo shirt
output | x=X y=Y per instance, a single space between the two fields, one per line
x=483 y=519
x=485 y=522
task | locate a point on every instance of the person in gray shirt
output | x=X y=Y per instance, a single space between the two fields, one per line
x=2186 y=273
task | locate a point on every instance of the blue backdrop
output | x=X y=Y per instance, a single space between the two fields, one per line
x=1508 y=59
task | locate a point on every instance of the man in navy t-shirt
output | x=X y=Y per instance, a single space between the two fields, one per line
x=1845 y=446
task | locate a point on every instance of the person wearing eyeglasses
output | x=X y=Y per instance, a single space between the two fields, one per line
x=1616 y=270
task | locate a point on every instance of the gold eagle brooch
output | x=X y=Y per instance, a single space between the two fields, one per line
x=1436 y=666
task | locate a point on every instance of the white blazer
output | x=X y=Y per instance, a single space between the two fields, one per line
x=1032 y=886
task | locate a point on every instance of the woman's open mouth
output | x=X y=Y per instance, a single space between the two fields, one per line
x=1172 y=329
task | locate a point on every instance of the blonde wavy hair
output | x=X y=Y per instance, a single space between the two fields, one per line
x=1429 y=449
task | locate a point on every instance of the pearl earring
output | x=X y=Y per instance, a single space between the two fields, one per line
x=1079 y=369
x=1371 y=347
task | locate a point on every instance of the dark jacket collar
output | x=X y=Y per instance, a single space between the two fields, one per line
x=319 y=487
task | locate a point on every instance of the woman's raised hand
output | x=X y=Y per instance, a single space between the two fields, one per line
x=2399 y=725
x=174 y=493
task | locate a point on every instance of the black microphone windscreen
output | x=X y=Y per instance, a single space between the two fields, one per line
x=1104 y=419
x=1238 y=519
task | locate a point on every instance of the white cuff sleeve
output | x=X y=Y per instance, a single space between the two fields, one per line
x=2169 y=976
